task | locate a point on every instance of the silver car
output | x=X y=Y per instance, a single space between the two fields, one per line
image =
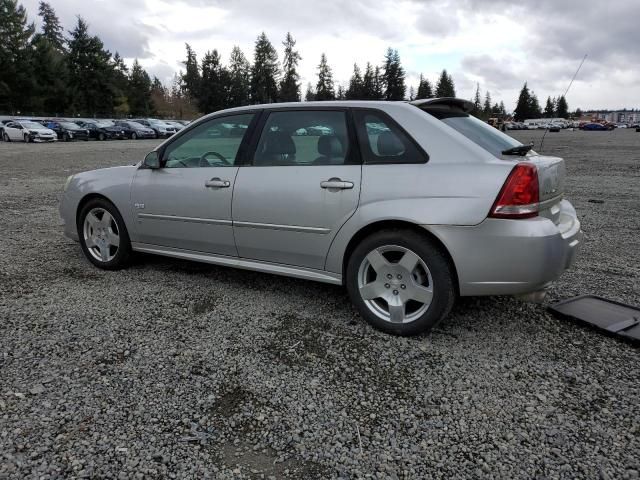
x=406 y=204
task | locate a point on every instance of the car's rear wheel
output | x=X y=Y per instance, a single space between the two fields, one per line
x=401 y=282
x=134 y=136
x=103 y=235
x=101 y=136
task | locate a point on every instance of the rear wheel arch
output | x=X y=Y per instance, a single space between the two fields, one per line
x=372 y=228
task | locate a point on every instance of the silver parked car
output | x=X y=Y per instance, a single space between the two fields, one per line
x=406 y=204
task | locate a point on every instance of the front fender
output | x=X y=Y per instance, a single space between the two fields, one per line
x=112 y=183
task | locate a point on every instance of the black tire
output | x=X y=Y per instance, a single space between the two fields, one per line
x=102 y=137
x=66 y=137
x=440 y=268
x=134 y=136
x=5 y=137
x=27 y=139
x=156 y=135
x=123 y=254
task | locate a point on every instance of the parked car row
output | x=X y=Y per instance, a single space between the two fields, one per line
x=51 y=130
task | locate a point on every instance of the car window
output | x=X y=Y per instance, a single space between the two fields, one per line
x=212 y=144
x=304 y=137
x=479 y=132
x=383 y=141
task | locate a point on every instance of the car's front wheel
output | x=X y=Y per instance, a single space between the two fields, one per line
x=6 y=138
x=102 y=137
x=103 y=235
x=134 y=136
x=401 y=282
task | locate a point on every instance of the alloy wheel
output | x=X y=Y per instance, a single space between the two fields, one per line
x=101 y=235
x=395 y=284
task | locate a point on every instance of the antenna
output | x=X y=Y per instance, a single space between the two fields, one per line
x=564 y=95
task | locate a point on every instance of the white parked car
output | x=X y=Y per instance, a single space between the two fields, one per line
x=27 y=131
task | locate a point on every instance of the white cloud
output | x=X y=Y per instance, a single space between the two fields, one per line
x=498 y=43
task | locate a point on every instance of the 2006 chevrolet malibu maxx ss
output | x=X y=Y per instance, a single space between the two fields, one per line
x=406 y=204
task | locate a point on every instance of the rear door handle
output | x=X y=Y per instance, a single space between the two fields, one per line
x=217 y=183
x=337 y=184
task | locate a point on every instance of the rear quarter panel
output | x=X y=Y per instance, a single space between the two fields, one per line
x=457 y=186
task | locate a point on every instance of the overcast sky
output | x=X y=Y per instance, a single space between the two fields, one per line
x=498 y=43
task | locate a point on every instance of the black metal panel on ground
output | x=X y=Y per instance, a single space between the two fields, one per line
x=613 y=317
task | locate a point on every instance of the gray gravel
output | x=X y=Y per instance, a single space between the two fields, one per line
x=175 y=369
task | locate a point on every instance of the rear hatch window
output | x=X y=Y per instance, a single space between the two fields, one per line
x=479 y=132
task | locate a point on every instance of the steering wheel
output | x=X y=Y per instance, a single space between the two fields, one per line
x=205 y=163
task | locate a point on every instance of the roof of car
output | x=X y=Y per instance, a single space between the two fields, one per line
x=439 y=103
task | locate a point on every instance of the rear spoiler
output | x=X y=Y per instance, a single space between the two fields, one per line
x=444 y=104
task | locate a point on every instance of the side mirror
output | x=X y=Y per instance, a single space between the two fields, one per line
x=152 y=160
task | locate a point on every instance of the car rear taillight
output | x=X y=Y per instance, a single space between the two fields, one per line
x=520 y=194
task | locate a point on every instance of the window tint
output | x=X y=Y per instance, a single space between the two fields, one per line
x=479 y=132
x=384 y=142
x=213 y=144
x=308 y=137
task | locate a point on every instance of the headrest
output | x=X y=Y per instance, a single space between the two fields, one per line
x=279 y=143
x=330 y=146
x=389 y=145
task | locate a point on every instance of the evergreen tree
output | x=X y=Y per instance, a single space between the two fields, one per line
x=214 y=87
x=290 y=86
x=549 y=110
x=425 y=90
x=265 y=72
x=355 y=89
x=522 y=111
x=325 y=88
x=486 y=109
x=341 y=94
x=91 y=72
x=477 y=103
x=378 y=85
x=503 y=110
x=445 y=86
x=140 y=104
x=368 y=83
x=412 y=94
x=51 y=28
x=393 y=76
x=121 y=85
x=239 y=79
x=49 y=72
x=534 y=106
x=16 y=82
x=191 y=77
x=562 y=109
x=310 y=95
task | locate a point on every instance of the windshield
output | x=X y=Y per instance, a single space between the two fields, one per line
x=106 y=123
x=69 y=125
x=479 y=132
x=31 y=125
x=135 y=125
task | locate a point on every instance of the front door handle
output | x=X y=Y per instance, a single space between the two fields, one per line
x=217 y=183
x=337 y=184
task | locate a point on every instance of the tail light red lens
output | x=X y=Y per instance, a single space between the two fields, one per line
x=520 y=194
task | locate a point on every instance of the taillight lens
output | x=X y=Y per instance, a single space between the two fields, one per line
x=520 y=194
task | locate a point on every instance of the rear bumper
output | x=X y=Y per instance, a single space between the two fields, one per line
x=507 y=257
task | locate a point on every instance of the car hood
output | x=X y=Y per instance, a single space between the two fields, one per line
x=47 y=131
x=104 y=177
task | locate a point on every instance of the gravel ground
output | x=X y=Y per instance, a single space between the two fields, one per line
x=176 y=369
